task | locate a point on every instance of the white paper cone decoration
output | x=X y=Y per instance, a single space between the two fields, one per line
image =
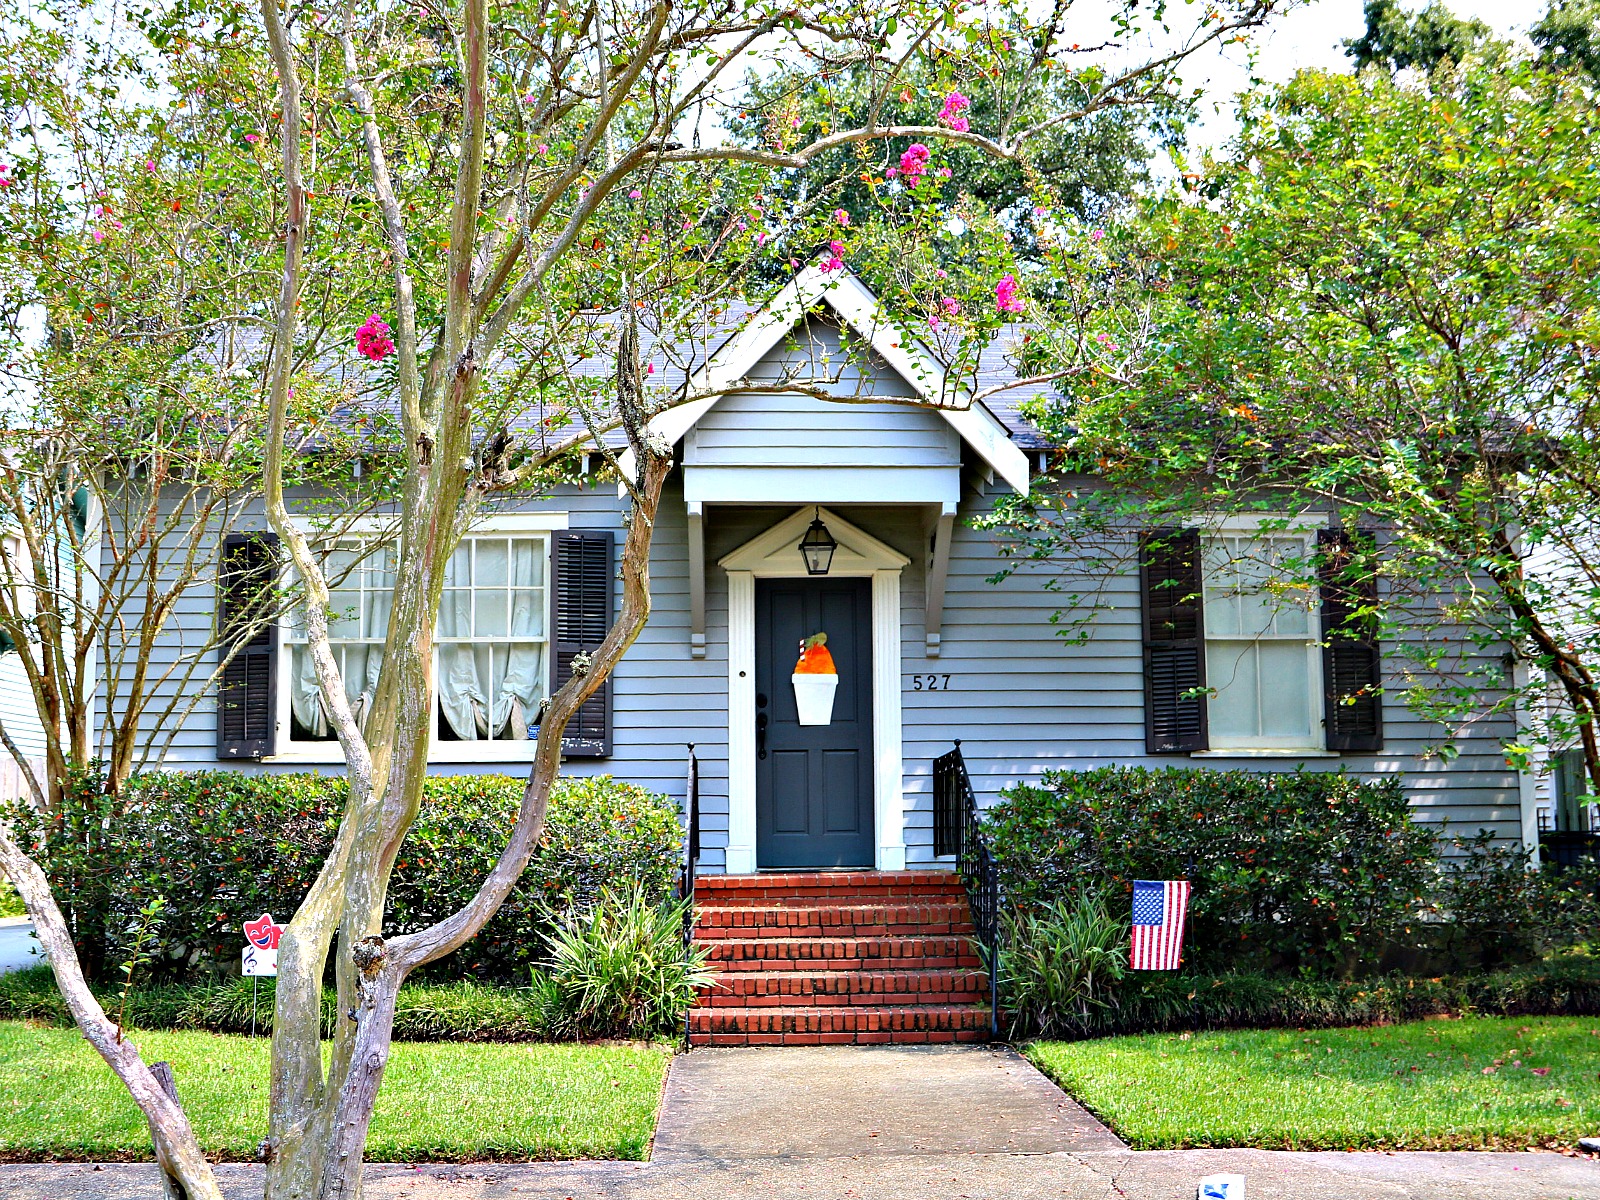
x=813 y=698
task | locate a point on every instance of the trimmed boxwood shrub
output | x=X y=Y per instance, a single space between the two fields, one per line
x=222 y=847
x=1313 y=872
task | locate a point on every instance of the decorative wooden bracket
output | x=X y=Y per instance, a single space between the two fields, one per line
x=697 y=580
x=941 y=527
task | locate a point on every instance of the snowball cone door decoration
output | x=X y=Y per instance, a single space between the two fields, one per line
x=815 y=681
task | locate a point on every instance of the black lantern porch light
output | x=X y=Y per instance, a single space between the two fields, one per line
x=817 y=547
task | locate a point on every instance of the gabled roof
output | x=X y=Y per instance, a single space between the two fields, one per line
x=853 y=303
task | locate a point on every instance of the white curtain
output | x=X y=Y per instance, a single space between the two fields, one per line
x=360 y=666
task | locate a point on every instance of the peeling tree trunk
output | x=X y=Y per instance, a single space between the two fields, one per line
x=176 y=1148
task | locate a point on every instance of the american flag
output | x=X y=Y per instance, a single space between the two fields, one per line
x=1159 y=906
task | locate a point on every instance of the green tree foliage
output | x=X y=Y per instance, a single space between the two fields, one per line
x=1395 y=39
x=1568 y=37
x=1380 y=307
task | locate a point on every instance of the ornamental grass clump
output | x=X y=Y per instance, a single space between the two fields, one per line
x=622 y=968
x=1061 y=965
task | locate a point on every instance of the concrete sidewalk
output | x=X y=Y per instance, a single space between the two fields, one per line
x=890 y=1123
x=1153 y=1175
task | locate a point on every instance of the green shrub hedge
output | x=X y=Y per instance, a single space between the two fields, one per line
x=1158 y=1001
x=222 y=847
x=1314 y=872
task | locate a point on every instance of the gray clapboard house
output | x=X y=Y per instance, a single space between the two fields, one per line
x=927 y=650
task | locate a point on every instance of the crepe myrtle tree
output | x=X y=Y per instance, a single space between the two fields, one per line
x=479 y=207
x=1377 y=312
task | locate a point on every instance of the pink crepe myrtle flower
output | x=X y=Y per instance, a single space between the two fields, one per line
x=951 y=306
x=914 y=162
x=891 y=172
x=1006 y=297
x=544 y=150
x=835 y=259
x=373 y=340
x=1096 y=234
x=841 y=217
x=649 y=368
x=99 y=234
x=951 y=115
x=761 y=238
x=941 y=273
x=636 y=194
x=6 y=179
x=150 y=166
x=934 y=322
x=252 y=138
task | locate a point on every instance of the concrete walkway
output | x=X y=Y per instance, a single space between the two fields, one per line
x=882 y=1123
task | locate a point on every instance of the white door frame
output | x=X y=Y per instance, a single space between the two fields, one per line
x=775 y=554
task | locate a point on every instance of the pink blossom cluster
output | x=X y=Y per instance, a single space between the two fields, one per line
x=835 y=259
x=373 y=340
x=6 y=177
x=914 y=163
x=841 y=217
x=1006 y=296
x=103 y=214
x=951 y=116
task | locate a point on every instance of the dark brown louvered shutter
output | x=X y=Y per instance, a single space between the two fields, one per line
x=1351 y=663
x=247 y=690
x=584 y=582
x=1174 y=642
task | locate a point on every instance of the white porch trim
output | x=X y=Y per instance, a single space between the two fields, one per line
x=775 y=555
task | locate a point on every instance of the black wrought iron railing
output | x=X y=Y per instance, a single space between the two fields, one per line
x=957 y=831
x=1567 y=847
x=691 y=860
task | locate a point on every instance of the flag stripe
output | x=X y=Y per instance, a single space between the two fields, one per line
x=1159 y=912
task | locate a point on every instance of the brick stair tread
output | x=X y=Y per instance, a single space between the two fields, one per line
x=893 y=1037
x=843 y=1019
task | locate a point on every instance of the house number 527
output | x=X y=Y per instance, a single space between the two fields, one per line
x=930 y=683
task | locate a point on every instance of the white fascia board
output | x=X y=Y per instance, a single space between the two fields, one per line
x=822 y=485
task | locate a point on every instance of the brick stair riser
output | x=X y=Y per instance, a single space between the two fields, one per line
x=902 y=930
x=709 y=920
x=771 y=896
x=848 y=987
x=902 y=1038
x=839 y=1020
x=843 y=954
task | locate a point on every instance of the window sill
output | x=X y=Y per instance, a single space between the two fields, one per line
x=1264 y=752
x=457 y=752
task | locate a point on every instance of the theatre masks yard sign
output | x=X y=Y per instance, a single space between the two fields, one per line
x=261 y=945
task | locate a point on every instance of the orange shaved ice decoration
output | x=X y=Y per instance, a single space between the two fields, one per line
x=814 y=657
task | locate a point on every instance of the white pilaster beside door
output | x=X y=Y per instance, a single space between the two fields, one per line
x=741 y=722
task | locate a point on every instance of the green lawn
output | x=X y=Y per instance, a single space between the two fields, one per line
x=440 y=1100
x=1422 y=1085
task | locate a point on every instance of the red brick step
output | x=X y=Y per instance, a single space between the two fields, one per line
x=839 y=957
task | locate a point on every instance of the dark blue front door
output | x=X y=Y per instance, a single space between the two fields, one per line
x=813 y=782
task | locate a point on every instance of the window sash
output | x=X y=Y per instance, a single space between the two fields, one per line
x=1263 y=657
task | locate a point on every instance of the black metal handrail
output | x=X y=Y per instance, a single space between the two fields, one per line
x=1561 y=848
x=957 y=831
x=691 y=861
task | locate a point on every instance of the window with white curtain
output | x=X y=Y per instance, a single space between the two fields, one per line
x=1263 y=661
x=490 y=642
x=491 y=639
